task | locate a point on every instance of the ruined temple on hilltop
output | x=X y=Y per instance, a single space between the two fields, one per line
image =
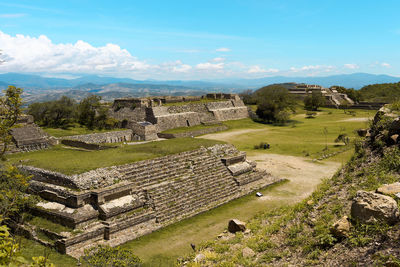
x=116 y=204
x=149 y=116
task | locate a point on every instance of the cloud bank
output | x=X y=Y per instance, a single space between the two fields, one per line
x=26 y=54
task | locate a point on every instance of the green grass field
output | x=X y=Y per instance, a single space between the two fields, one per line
x=74 y=129
x=72 y=161
x=300 y=136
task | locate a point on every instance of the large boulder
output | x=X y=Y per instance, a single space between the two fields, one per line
x=369 y=207
x=235 y=225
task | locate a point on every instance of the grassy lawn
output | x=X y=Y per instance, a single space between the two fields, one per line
x=31 y=249
x=300 y=136
x=75 y=129
x=73 y=161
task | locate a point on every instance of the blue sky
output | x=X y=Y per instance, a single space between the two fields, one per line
x=200 y=39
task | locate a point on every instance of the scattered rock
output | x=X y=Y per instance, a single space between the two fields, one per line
x=394 y=127
x=368 y=207
x=236 y=246
x=394 y=138
x=341 y=227
x=310 y=202
x=199 y=258
x=362 y=132
x=248 y=252
x=389 y=189
x=235 y=225
x=247 y=231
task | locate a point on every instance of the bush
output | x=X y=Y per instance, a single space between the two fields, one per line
x=106 y=256
x=311 y=114
x=262 y=145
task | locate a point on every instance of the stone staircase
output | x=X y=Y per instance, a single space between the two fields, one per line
x=210 y=182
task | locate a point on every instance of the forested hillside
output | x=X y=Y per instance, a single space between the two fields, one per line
x=384 y=92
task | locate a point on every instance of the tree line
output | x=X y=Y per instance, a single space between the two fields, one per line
x=61 y=113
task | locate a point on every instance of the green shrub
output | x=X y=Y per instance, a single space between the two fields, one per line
x=106 y=256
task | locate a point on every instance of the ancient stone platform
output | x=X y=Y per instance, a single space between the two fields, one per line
x=116 y=204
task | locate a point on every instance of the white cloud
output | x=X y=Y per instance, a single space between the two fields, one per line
x=258 y=69
x=351 y=66
x=40 y=54
x=12 y=16
x=223 y=49
x=182 y=68
x=386 y=65
x=210 y=66
x=218 y=59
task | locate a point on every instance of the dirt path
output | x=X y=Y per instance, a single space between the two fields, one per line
x=304 y=176
x=226 y=136
x=355 y=119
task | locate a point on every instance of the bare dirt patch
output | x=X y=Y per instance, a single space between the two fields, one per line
x=355 y=119
x=304 y=176
x=226 y=136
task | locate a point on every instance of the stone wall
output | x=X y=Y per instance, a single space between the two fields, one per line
x=116 y=204
x=107 y=137
x=136 y=110
x=193 y=133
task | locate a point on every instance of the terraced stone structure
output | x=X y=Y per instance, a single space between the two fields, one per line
x=27 y=136
x=149 y=116
x=120 y=203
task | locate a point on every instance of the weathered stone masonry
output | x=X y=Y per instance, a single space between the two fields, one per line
x=117 y=204
x=148 y=116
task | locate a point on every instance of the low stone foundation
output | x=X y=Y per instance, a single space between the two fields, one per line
x=193 y=133
x=100 y=138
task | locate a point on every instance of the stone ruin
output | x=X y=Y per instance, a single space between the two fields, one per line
x=116 y=204
x=144 y=119
x=149 y=116
x=27 y=136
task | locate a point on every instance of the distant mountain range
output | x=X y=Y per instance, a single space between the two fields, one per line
x=39 y=88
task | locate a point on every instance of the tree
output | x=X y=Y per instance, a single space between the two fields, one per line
x=355 y=95
x=13 y=184
x=58 y=113
x=247 y=97
x=314 y=101
x=274 y=104
x=100 y=256
x=87 y=111
x=10 y=109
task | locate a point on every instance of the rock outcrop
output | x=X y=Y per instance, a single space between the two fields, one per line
x=235 y=225
x=368 y=207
